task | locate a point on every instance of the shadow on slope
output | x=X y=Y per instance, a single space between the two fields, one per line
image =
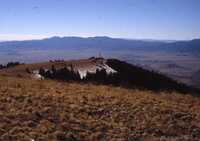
x=134 y=76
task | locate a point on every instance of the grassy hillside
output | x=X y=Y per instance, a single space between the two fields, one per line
x=62 y=111
x=128 y=75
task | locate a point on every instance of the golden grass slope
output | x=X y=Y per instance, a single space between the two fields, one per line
x=32 y=110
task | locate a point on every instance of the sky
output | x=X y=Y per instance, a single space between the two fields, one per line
x=133 y=19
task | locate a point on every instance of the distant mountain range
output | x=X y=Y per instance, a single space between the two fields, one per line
x=106 y=43
x=179 y=59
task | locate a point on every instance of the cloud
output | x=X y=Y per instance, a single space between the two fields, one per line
x=9 y=37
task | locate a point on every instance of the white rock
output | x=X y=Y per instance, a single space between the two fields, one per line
x=38 y=76
x=93 y=69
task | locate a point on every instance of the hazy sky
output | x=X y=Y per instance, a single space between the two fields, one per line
x=145 y=19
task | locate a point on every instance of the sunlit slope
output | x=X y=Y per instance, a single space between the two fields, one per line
x=118 y=73
x=52 y=110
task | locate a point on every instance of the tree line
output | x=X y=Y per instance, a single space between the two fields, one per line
x=9 y=65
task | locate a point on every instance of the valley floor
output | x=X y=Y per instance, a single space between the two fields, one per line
x=32 y=110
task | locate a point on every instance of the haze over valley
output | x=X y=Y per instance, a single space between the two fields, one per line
x=178 y=59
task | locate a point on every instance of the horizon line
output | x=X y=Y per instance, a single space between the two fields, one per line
x=28 y=38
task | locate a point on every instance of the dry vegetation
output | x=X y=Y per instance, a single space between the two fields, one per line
x=32 y=110
x=20 y=70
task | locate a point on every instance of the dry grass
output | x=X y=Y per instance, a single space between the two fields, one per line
x=57 y=111
x=20 y=70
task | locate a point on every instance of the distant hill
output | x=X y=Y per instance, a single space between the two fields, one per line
x=196 y=79
x=127 y=75
x=104 y=43
x=134 y=76
x=184 y=46
x=79 y=42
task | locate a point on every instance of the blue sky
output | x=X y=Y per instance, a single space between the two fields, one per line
x=137 y=19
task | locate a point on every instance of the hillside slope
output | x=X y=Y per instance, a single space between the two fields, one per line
x=138 y=77
x=58 y=111
x=127 y=75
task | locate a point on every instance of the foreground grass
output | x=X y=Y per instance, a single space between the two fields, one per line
x=32 y=110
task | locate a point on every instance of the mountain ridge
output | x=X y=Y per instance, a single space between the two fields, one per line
x=104 y=42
